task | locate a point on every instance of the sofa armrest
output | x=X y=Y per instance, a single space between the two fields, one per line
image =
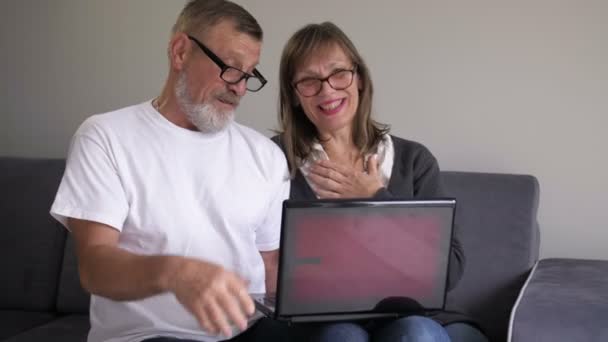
x=562 y=300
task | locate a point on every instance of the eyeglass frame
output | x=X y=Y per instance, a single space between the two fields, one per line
x=352 y=71
x=224 y=67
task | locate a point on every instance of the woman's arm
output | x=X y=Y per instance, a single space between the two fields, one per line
x=416 y=175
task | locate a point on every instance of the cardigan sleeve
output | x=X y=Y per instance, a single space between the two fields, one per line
x=418 y=176
x=427 y=184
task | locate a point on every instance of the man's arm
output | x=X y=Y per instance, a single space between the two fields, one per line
x=109 y=271
x=271 y=266
x=212 y=294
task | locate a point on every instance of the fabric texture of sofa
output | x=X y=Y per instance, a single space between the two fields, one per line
x=563 y=300
x=41 y=297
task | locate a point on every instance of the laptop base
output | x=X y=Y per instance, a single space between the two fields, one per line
x=340 y=317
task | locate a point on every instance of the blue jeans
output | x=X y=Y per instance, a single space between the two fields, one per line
x=460 y=332
x=407 y=329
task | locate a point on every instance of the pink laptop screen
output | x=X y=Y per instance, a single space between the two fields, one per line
x=350 y=259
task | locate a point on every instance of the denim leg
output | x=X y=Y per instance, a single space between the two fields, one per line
x=411 y=329
x=462 y=332
x=337 y=332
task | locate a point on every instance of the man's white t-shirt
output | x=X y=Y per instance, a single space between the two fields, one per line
x=169 y=190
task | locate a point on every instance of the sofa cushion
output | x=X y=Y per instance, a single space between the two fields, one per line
x=71 y=297
x=31 y=240
x=564 y=300
x=14 y=322
x=72 y=328
x=496 y=214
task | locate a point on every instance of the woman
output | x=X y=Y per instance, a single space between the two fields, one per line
x=335 y=150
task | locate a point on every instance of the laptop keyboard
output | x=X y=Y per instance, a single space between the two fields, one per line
x=270 y=300
x=266 y=299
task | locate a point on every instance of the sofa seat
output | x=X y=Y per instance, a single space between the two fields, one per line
x=495 y=212
x=66 y=328
x=563 y=300
x=15 y=321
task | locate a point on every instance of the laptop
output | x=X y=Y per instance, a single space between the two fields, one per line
x=361 y=259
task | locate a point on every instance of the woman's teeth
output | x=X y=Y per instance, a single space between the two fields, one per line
x=332 y=105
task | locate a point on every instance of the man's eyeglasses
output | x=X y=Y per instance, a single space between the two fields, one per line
x=232 y=75
x=339 y=80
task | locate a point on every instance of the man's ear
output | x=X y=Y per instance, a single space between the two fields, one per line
x=178 y=50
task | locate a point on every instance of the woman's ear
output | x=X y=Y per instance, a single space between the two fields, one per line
x=359 y=83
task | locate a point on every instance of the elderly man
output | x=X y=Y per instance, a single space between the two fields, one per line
x=175 y=208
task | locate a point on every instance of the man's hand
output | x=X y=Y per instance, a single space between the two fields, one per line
x=330 y=180
x=213 y=295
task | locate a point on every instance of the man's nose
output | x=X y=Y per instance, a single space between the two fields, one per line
x=239 y=88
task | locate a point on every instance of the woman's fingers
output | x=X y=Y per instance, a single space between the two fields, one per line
x=324 y=183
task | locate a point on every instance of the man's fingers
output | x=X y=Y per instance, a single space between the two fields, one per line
x=216 y=297
x=218 y=318
x=202 y=317
x=242 y=296
x=208 y=318
x=233 y=310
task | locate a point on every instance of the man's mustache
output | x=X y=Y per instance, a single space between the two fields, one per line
x=229 y=98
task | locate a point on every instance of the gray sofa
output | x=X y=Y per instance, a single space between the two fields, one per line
x=41 y=298
x=40 y=295
x=563 y=300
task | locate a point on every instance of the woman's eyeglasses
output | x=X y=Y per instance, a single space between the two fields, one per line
x=339 y=80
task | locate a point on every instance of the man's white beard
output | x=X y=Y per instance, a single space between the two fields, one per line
x=202 y=115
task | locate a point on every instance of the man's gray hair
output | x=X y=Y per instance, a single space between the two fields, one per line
x=198 y=16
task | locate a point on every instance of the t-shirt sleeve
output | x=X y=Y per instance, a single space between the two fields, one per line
x=91 y=188
x=268 y=234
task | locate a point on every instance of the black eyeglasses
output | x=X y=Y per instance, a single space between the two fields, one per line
x=339 y=80
x=232 y=75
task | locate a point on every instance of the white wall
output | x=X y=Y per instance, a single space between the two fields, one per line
x=514 y=86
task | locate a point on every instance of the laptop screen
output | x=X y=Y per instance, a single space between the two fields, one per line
x=340 y=257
